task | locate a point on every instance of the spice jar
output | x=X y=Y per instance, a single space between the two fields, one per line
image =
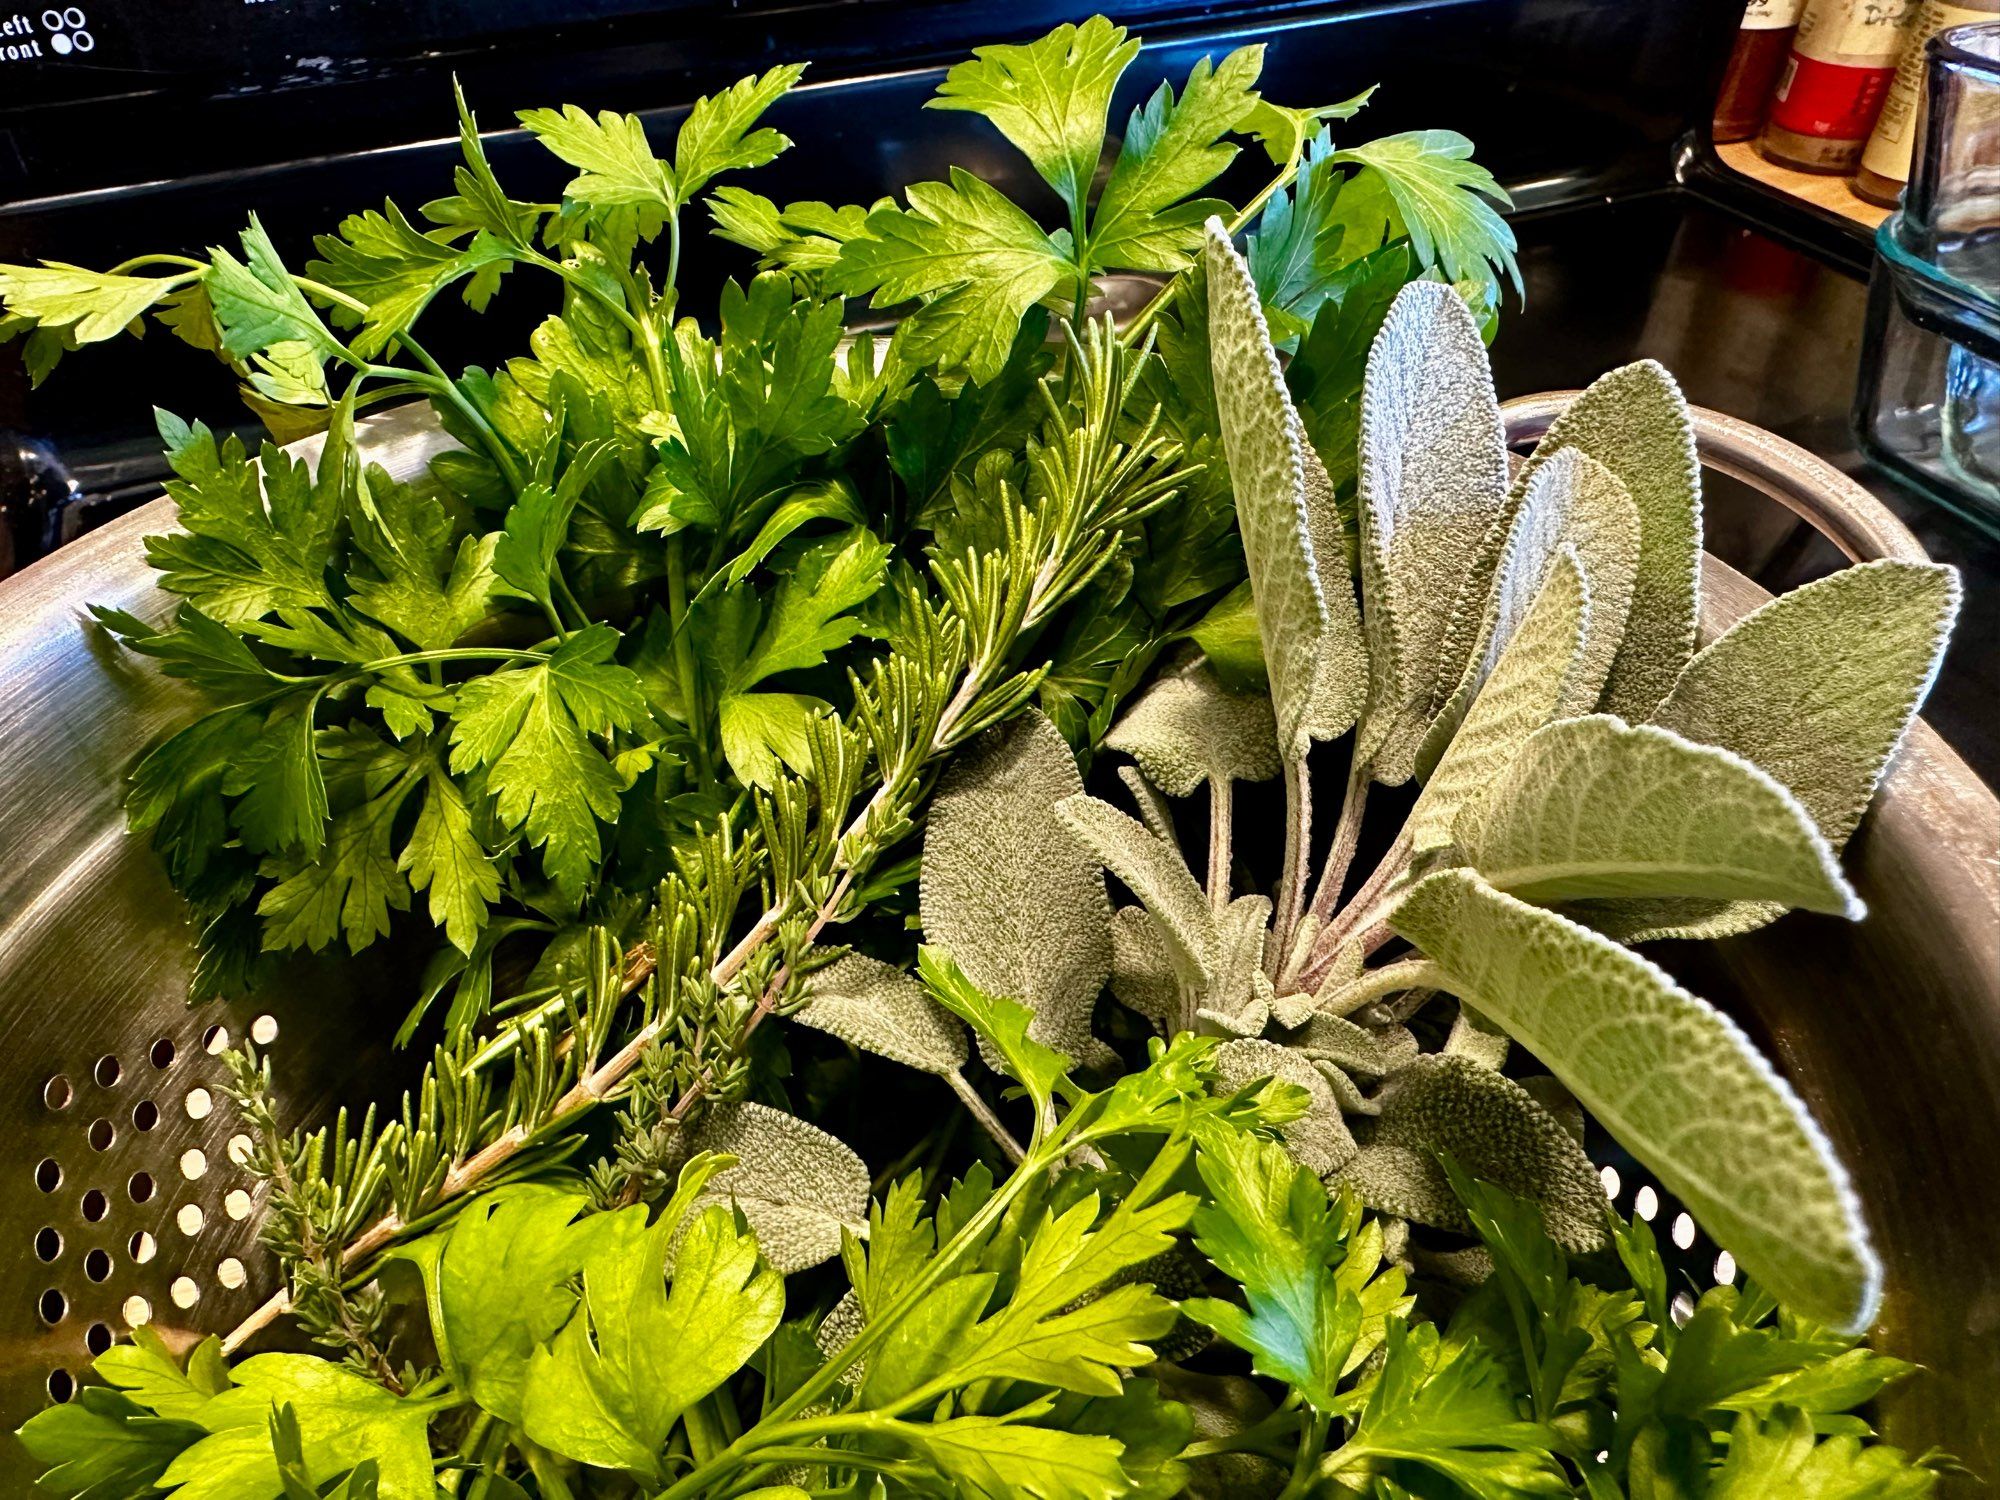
x=1885 y=163
x=1762 y=43
x=1834 y=82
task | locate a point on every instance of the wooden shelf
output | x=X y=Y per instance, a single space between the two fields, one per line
x=1821 y=190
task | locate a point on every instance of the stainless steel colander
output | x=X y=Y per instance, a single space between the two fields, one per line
x=122 y=1201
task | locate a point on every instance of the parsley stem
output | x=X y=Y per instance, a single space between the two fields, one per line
x=670 y=293
x=1311 y=1445
x=455 y=653
x=126 y=267
x=684 y=662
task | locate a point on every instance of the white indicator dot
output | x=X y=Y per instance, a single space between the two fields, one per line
x=1646 y=1203
x=230 y=1273
x=236 y=1203
x=138 y=1312
x=184 y=1292
x=194 y=1164
x=189 y=1218
x=59 y=44
x=1611 y=1182
x=264 y=1030
x=1725 y=1269
x=200 y=1104
x=1683 y=1231
x=239 y=1149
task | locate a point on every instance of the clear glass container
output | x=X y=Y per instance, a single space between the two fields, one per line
x=1928 y=403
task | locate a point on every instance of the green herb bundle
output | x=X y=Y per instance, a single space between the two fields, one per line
x=694 y=649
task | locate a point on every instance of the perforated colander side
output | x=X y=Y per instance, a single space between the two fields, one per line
x=140 y=1210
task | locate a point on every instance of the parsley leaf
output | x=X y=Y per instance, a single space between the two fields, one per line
x=639 y=1351
x=531 y=729
x=1444 y=201
x=427 y=591
x=82 y=305
x=1313 y=1310
x=103 y=1446
x=445 y=857
x=977 y=262
x=343 y=1420
x=1172 y=149
x=808 y=614
x=381 y=259
x=1051 y=98
x=353 y=884
x=1448 y=1410
x=615 y=164
x=256 y=303
x=717 y=136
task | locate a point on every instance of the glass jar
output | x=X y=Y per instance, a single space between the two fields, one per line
x=1928 y=403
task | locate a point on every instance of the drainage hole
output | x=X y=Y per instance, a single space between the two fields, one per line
x=163 y=1052
x=52 y=1306
x=98 y=1339
x=107 y=1071
x=95 y=1205
x=145 y=1115
x=97 y=1265
x=214 y=1040
x=142 y=1245
x=48 y=1174
x=57 y=1093
x=62 y=1385
x=48 y=1243
x=140 y=1186
x=101 y=1135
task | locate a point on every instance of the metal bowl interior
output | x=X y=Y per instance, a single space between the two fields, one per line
x=120 y=1184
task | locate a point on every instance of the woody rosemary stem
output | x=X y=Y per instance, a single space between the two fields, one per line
x=594 y=1087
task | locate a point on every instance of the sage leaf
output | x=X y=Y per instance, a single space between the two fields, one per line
x=1595 y=807
x=1573 y=500
x=1153 y=870
x=1355 y=1049
x=1340 y=680
x=1433 y=459
x=1318 y=1140
x=1238 y=992
x=1817 y=688
x=1524 y=693
x=1635 y=422
x=881 y=1009
x=1187 y=728
x=1009 y=891
x=1674 y=1080
x=1142 y=971
x=1453 y=1105
x=1265 y=445
x=1476 y=1039
x=799 y=1188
